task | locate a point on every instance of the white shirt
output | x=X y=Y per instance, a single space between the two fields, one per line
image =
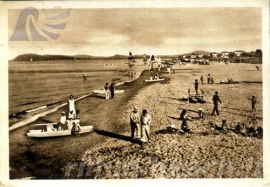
x=63 y=119
x=146 y=120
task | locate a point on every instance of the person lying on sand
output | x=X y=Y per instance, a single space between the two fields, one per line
x=223 y=125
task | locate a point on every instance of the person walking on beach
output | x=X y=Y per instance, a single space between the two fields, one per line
x=146 y=121
x=107 y=91
x=208 y=78
x=196 y=84
x=135 y=123
x=84 y=78
x=202 y=79
x=112 y=89
x=253 y=103
x=71 y=104
x=216 y=100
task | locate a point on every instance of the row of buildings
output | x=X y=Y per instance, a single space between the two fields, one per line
x=238 y=56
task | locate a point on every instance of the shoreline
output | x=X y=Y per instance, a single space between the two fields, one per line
x=53 y=107
x=33 y=146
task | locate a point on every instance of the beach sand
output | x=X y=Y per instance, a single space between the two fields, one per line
x=109 y=152
x=206 y=153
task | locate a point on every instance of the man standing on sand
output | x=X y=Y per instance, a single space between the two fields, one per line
x=196 y=84
x=215 y=102
x=107 y=91
x=208 y=78
x=202 y=79
x=253 y=102
x=146 y=121
x=112 y=89
x=135 y=123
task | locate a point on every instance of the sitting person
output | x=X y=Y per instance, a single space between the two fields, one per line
x=63 y=121
x=184 y=118
x=184 y=126
x=259 y=132
x=71 y=115
x=50 y=128
x=223 y=125
x=156 y=76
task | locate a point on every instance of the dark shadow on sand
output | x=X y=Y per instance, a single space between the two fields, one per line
x=237 y=109
x=98 y=96
x=173 y=117
x=118 y=136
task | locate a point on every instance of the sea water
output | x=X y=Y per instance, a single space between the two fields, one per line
x=35 y=85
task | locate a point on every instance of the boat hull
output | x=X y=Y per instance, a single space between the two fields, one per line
x=155 y=80
x=39 y=134
x=103 y=91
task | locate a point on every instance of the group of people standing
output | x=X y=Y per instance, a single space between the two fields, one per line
x=140 y=125
x=71 y=121
x=109 y=90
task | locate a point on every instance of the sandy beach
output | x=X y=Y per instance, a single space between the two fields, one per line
x=206 y=153
x=110 y=153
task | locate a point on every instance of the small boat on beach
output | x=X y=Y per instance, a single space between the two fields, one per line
x=155 y=80
x=230 y=82
x=42 y=133
x=102 y=91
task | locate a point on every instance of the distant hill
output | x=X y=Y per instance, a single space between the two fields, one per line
x=36 y=57
x=198 y=52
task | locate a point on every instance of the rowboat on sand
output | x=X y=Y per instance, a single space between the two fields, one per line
x=155 y=80
x=42 y=133
x=102 y=91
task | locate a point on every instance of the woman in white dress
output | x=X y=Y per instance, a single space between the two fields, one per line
x=146 y=121
x=71 y=104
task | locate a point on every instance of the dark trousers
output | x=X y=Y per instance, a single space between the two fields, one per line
x=112 y=94
x=196 y=89
x=133 y=128
x=215 y=109
x=253 y=107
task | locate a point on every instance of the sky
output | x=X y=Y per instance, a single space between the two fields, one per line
x=159 y=31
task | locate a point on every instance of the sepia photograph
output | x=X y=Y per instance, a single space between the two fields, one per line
x=136 y=91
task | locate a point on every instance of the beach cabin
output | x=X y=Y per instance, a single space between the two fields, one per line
x=238 y=53
x=214 y=54
x=225 y=54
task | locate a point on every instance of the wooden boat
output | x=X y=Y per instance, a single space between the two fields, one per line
x=40 y=133
x=102 y=91
x=231 y=82
x=155 y=80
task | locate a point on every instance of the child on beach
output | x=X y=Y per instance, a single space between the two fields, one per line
x=76 y=127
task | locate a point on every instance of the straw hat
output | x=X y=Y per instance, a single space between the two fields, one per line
x=135 y=108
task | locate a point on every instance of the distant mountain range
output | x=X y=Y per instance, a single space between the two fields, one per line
x=36 y=57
